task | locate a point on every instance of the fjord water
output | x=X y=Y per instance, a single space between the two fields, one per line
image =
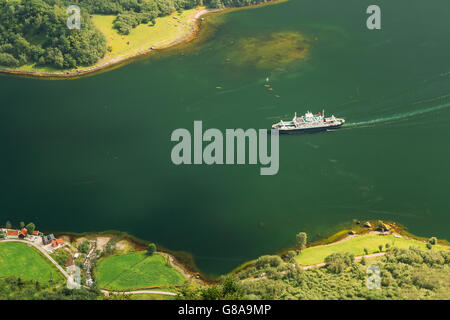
x=93 y=153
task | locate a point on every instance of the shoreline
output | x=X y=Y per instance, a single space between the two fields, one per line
x=344 y=235
x=185 y=261
x=124 y=59
x=117 y=61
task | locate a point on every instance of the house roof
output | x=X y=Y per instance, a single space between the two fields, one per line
x=35 y=232
x=24 y=231
x=12 y=233
x=49 y=238
x=59 y=241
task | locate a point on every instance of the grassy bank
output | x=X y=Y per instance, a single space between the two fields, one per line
x=356 y=246
x=18 y=259
x=167 y=31
x=136 y=271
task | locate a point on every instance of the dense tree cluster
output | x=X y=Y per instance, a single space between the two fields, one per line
x=405 y=274
x=228 y=289
x=35 y=31
x=14 y=288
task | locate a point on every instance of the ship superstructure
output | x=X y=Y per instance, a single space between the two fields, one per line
x=309 y=123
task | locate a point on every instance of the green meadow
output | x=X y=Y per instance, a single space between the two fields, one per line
x=20 y=260
x=166 y=30
x=135 y=271
x=356 y=245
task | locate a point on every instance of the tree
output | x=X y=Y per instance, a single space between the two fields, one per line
x=36 y=32
x=380 y=247
x=21 y=224
x=83 y=247
x=229 y=288
x=8 y=225
x=429 y=246
x=268 y=262
x=8 y=60
x=433 y=240
x=366 y=252
x=338 y=262
x=363 y=261
x=30 y=227
x=290 y=256
x=301 y=241
x=151 y=249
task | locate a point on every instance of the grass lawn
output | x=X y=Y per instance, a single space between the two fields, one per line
x=135 y=271
x=356 y=246
x=18 y=259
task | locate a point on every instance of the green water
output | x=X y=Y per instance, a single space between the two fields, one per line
x=94 y=153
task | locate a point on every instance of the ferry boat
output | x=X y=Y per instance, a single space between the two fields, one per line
x=309 y=123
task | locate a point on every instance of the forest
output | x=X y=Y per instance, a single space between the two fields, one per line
x=36 y=32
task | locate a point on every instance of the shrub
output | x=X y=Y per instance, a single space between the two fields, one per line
x=61 y=256
x=151 y=249
x=290 y=256
x=268 y=261
x=83 y=247
x=8 y=60
x=338 y=262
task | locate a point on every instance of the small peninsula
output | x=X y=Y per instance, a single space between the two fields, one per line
x=112 y=33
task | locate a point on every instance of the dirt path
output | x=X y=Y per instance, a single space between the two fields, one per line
x=167 y=293
x=318 y=265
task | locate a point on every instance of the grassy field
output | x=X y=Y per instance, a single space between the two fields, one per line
x=356 y=246
x=18 y=259
x=166 y=31
x=135 y=271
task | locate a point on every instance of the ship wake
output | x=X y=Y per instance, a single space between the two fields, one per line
x=399 y=116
